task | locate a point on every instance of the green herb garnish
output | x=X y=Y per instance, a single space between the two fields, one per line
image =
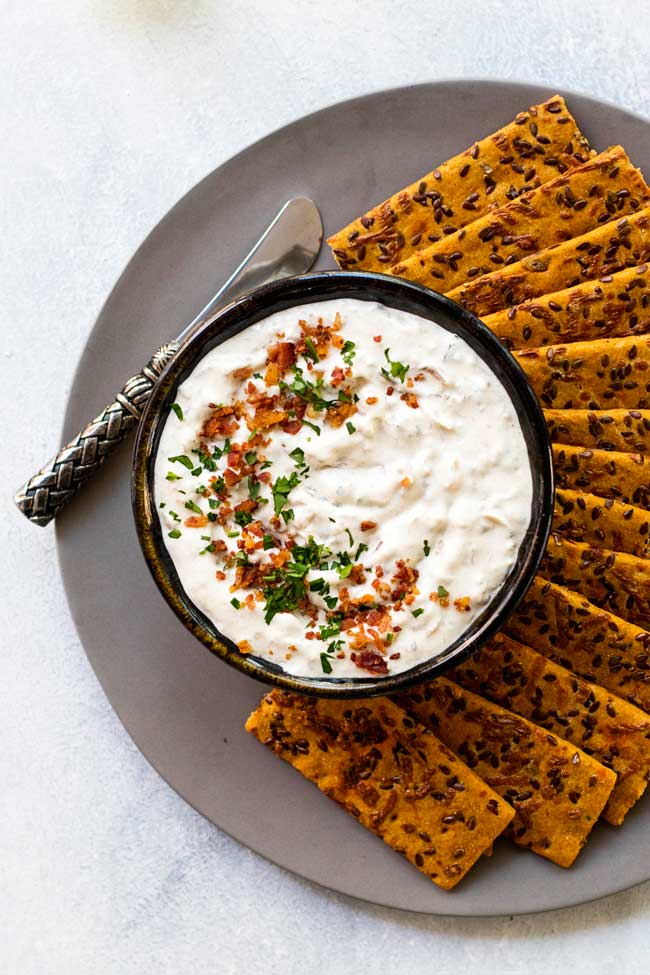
x=174 y=533
x=182 y=459
x=427 y=547
x=325 y=663
x=417 y=612
x=398 y=370
x=311 y=352
x=193 y=507
x=281 y=488
x=235 y=602
x=178 y=410
x=350 y=427
x=348 y=352
x=442 y=592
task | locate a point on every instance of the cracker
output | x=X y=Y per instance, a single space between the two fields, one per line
x=604 y=374
x=600 y=309
x=613 y=731
x=586 y=639
x=532 y=149
x=597 y=254
x=556 y=789
x=396 y=779
x=598 y=191
x=621 y=430
x=603 y=522
x=615 y=580
x=608 y=473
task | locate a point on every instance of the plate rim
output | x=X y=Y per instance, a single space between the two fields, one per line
x=68 y=424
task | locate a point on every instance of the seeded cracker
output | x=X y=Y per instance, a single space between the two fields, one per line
x=614 y=580
x=597 y=254
x=615 y=732
x=535 y=147
x=592 y=642
x=557 y=790
x=398 y=780
x=627 y=431
x=602 y=522
x=608 y=473
x=604 y=374
x=600 y=309
x=549 y=215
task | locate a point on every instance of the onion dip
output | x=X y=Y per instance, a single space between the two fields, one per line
x=342 y=488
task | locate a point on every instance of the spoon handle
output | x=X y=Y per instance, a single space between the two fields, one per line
x=42 y=497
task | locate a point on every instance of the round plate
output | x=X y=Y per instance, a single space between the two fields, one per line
x=184 y=708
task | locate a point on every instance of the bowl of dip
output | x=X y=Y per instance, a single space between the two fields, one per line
x=343 y=484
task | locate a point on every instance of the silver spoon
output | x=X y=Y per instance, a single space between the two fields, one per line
x=288 y=246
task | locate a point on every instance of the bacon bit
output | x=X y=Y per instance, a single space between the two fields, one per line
x=371 y=400
x=196 y=521
x=222 y=423
x=376 y=338
x=409 y=599
x=242 y=373
x=371 y=661
x=248 y=504
x=338 y=322
x=409 y=383
x=338 y=341
x=292 y=426
x=255 y=528
x=220 y=575
x=411 y=400
x=338 y=376
x=284 y=354
x=244 y=647
x=310 y=635
x=272 y=374
x=247 y=577
x=264 y=476
x=406 y=482
x=435 y=374
x=379 y=571
x=404 y=580
x=395 y=656
x=419 y=377
x=368 y=526
x=279 y=558
x=433 y=596
x=390 y=390
x=357 y=575
x=338 y=414
x=268 y=417
x=220 y=546
x=234 y=458
x=462 y=604
x=231 y=477
x=249 y=602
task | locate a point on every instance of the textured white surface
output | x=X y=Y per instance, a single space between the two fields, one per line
x=111 y=109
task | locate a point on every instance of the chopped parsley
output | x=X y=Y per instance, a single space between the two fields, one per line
x=254 y=488
x=174 y=533
x=307 y=390
x=442 y=592
x=348 y=352
x=417 y=612
x=243 y=518
x=427 y=547
x=349 y=534
x=172 y=514
x=268 y=542
x=281 y=488
x=311 y=352
x=350 y=427
x=178 y=410
x=193 y=507
x=398 y=370
x=362 y=548
x=182 y=459
x=235 y=602
x=298 y=456
x=325 y=663
x=250 y=457
x=173 y=477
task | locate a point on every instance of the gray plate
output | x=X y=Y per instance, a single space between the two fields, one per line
x=184 y=708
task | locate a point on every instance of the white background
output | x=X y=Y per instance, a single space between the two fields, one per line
x=109 y=111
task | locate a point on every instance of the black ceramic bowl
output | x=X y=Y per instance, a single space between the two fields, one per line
x=395 y=293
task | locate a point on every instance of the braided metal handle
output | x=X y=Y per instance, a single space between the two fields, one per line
x=41 y=498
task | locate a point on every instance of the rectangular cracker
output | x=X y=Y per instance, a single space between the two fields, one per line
x=395 y=778
x=612 y=730
x=627 y=431
x=600 y=309
x=608 y=473
x=598 y=191
x=615 y=580
x=602 y=522
x=556 y=789
x=532 y=149
x=597 y=254
x=586 y=639
x=604 y=374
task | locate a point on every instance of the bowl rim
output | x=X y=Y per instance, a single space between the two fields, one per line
x=406 y=296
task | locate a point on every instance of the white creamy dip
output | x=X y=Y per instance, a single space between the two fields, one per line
x=381 y=538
